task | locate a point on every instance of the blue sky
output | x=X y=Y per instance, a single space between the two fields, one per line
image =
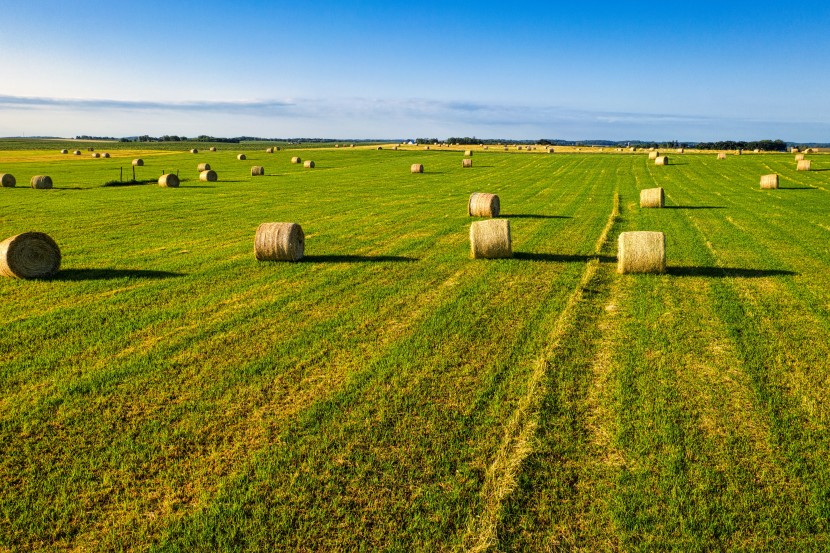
x=359 y=69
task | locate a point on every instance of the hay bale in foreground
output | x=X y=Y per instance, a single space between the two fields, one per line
x=482 y=204
x=490 y=239
x=279 y=242
x=41 y=182
x=203 y=167
x=721 y=155
x=296 y=159
x=652 y=197
x=257 y=171
x=417 y=168
x=769 y=182
x=138 y=162
x=308 y=164
x=653 y=154
x=170 y=180
x=8 y=180
x=76 y=153
x=208 y=175
x=241 y=157
x=468 y=153
x=803 y=165
x=799 y=157
x=64 y=151
x=641 y=252
x=29 y=255
x=661 y=160
x=466 y=163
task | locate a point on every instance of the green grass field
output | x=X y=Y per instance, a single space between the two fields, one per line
x=167 y=392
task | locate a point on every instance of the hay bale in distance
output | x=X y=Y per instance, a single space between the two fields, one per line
x=721 y=155
x=279 y=242
x=76 y=153
x=170 y=180
x=64 y=151
x=241 y=157
x=105 y=154
x=308 y=164
x=138 y=162
x=296 y=159
x=653 y=154
x=29 y=255
x=799 y=157
x=96 y=155
x=41 y=182
x=468 y=153
x=680 y=150
x=551 y=150
x=490 y=239
x=661 y=160
x=482 y=204
x=203 y=167
x=257 y=171
x=208 y=175
x=756 y=151
x=417 y=168
x=793 y=150
x=269 y=150
x=769 y=182
x=652 y=197
x=466 y=163
x=641 y=252
x=212 y=149
x=194 y=151
x=803 y=165
x=380 y=147
x=8 y=180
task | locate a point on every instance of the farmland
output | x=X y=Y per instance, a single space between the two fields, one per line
x=167 y=392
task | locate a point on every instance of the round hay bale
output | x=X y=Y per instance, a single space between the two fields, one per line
x=769 y=182
x=661 y=160
x=76 y=153
x=241 y=157
x=194 y=151
x=212 y=149
x=426 y=147
x=105 y=154
x=505 y=148
x=482 y=204
x=296 y=159
x=803 y=165
x=484 y=148
x=680 y=150
x=490 y=239
x=417 y=168
x=257 y=171
x=276 y=148
x=8 y=180
x=641 y=252
x=96 y=155
x=380 y=147
x=518 y=147
x=41 y=182
x=269 y=150
x=653 y=154
x=337 y=145
x=64 y=151
x=793 y=150
x=279 y=242
x=466 y=163
x=395 y=148
x=721 y=155
x=29 y=255
x=550 y=150
x=756 y=151
x=208 y=175
x=799 y=157
x=170 y=180
x=90 y=149
x=468 y=153
x=739 y=152
x=351 y=145
x=652 y=197
x=203 y=167
x=308 y=164
x=138 y=162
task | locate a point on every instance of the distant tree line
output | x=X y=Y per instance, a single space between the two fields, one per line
x=87 y=137
x=763 y=145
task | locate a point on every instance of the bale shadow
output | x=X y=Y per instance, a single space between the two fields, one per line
x=797 y=188
x=533 y=216
x=77 y=275
x=63 y=187
x=732 y=272
x=562 y=258
x=818 y=170
x=694 y=207
x=333 y=258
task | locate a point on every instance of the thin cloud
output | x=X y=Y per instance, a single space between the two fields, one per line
x=35 y=102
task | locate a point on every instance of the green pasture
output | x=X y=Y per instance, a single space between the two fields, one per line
x=167 y=392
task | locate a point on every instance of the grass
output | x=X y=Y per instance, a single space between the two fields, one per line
x=166 y=392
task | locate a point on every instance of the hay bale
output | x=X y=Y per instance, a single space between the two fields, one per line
x=417 y=168
x=308 y=164
x=105 y=154
x=203 y=167
x=279 y=242
x=194 y=151
x=241 y=157
x=653 y=154
x=721 y=155
x=138 y=162
x=769 y=182
x=351 y=145
x=793 y=150
x=96 y=155
x=380 y=147
x=661 y=160
x=90 y=149
x=208 y=175
x=41 y=182
x=212 y=149
x=799 y=157
x=485 y=147
x=426 y=147
x=551 y=150
x=641 y=252
x=652 y=197
x=482 y=204
x=803 y=165
x=29 y=255
x=296 y=159
x=756 y=151
x=739 y=152
x=64 y=151
x=8 y=180
x=337 y=145
x=269 y=150
x=276 y=148
x=680 y=150
x=257 y=171
x=468 y=153
x=466 y=163
x=490 y=239
x=76 y=153
x=170 y=180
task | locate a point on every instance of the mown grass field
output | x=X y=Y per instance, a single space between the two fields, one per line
x=167 y=392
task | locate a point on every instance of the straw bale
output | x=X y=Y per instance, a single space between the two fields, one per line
x=417 y=168
x=194 y=151
x=641 y=252
x=138 y=162
x=468 y=153
x=661 y=160
x=76 y=153
x=8 y=180
x=803 y=165
x=212 y=149
x=769 y=182
x=64 y=151
x=241 y=157
x=652 y=197
x=257 y=171
x=296 y=159
x=653 y=154
x=721 y=155
x=29 y=255
x=96 y=155
x=490 y=239
x=105 y=154
x=466 y=163
x=482 y=204
x=41 y=182
x=208 y=175
x=203 y=167
x=279 y=242
x=799 y=157
x=308 y=164
x=170 y=180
